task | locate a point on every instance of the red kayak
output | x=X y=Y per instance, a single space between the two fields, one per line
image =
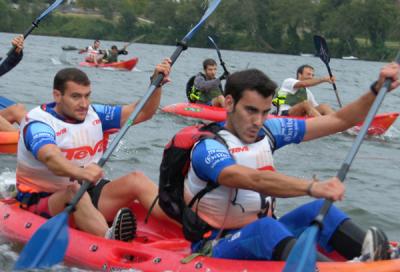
x=379 y=126
x=158 y=246
x=120 y=65
x=8 y=142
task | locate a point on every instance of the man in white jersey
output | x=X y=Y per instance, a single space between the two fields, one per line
x=94 y=53
x=295 y=99
x=231 y=181
x=60 y=144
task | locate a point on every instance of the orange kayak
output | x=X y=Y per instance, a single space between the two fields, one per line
x=120 y=65
x=158 y=246
x=8 y=142
x=381 y=123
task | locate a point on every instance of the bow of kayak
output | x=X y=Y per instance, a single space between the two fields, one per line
x=120 y=65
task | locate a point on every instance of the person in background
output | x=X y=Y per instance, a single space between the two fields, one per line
x=112 y=54
x=94 y=53
x=11 y=113
x=295 y=99
x=206 y=88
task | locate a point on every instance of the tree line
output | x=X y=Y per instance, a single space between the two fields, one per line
x=364 y=28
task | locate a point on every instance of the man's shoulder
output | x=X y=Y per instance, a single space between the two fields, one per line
x=288 y=84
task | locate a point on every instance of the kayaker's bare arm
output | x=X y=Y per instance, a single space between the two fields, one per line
x=313 y=81
x=53 y=158
x=276 y=184
x=152 y=104
x=354 y=112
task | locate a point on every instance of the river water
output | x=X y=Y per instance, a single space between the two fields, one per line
x=373 y=184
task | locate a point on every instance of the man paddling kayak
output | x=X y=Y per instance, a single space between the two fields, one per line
x=205 y=88
x=295 y=99
x=94 y=53
x=111 y=55
x=227 y=201
x=59 y=145
x=13 y=113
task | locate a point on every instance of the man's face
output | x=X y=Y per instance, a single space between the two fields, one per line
x=246 y=118
x=308 y=73
x=96 y=44
x=211 y=71
x=75 y=101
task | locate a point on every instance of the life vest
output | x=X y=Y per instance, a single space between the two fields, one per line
x=289 y=98
x=81 y=143
x=173 y=170
x=195 y=95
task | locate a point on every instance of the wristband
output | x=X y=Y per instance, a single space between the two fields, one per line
x=373 y=89
x=309 y=188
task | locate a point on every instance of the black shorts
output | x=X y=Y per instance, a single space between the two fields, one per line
x=95 y=191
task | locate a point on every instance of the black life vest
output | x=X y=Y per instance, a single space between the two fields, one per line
x=173 y=170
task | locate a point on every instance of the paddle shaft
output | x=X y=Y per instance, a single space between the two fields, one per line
x=219 y=55
x=355 y=147
x=334 y=85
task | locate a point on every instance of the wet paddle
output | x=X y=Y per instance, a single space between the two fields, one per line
x=36 y=22
x=49 y=243
x=302 y=257
x=5 y=102
x=323 y=52
x=219 y=54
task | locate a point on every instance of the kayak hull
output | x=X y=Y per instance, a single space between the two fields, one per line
x=381 y=123
x=8 y=142
x=159 y=246
x=120 y=65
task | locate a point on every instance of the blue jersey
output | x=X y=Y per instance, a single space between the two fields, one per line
x=38 y=134
x=210 y=157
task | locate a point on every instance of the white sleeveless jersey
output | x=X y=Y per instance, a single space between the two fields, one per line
x=80 y=143
x=214 y=206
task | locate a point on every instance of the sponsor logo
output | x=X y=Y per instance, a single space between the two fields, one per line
x=79 y=153
x=96 y=122
x=239 y=149
x=61 y=132
x=192 y=109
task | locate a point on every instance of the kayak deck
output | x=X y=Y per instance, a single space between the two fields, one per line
x=120 y=65
x=158 y=246
x=8 y=142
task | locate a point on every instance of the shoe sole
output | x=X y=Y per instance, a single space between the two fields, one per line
x=125 y=226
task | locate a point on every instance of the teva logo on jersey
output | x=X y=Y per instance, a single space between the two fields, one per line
x=82 y=152
x=239 y=149
x=96 y=122
x=62 y=131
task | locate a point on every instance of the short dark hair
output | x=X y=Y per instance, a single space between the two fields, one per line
x=250 y=79
x=301 y=69
x=69 y=74
x=208 y=62
x=114 y=47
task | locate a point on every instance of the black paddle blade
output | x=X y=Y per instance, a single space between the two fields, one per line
x=47 y=246
x=322 y=48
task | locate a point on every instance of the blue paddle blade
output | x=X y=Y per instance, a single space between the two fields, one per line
x=211 y=7
x=303 y=256
x=5 y=102
x=49 y=9
x=47 y=246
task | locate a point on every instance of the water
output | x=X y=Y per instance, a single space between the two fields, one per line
x=373 y=186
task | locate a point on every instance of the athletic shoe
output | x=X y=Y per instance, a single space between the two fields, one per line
x=124 y=226
x=375 y=246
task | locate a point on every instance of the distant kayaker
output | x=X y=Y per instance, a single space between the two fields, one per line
x=232 y=183
x=206 y=88
x=13 y=113
x=112 y=54
x=94 y=53
x=59 y=146
x=295 y=99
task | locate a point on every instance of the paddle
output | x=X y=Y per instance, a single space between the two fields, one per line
x=323 y=52
x=36 y=22
x=48 y=245
x=303 y=255
x=5 y=102
x=219 y=54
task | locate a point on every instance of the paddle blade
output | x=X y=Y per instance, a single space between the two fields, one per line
x=48 y=10
x=211 y=7
x=5 y=102
x=322 y=48
x=47 y=246
x=303 y=256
